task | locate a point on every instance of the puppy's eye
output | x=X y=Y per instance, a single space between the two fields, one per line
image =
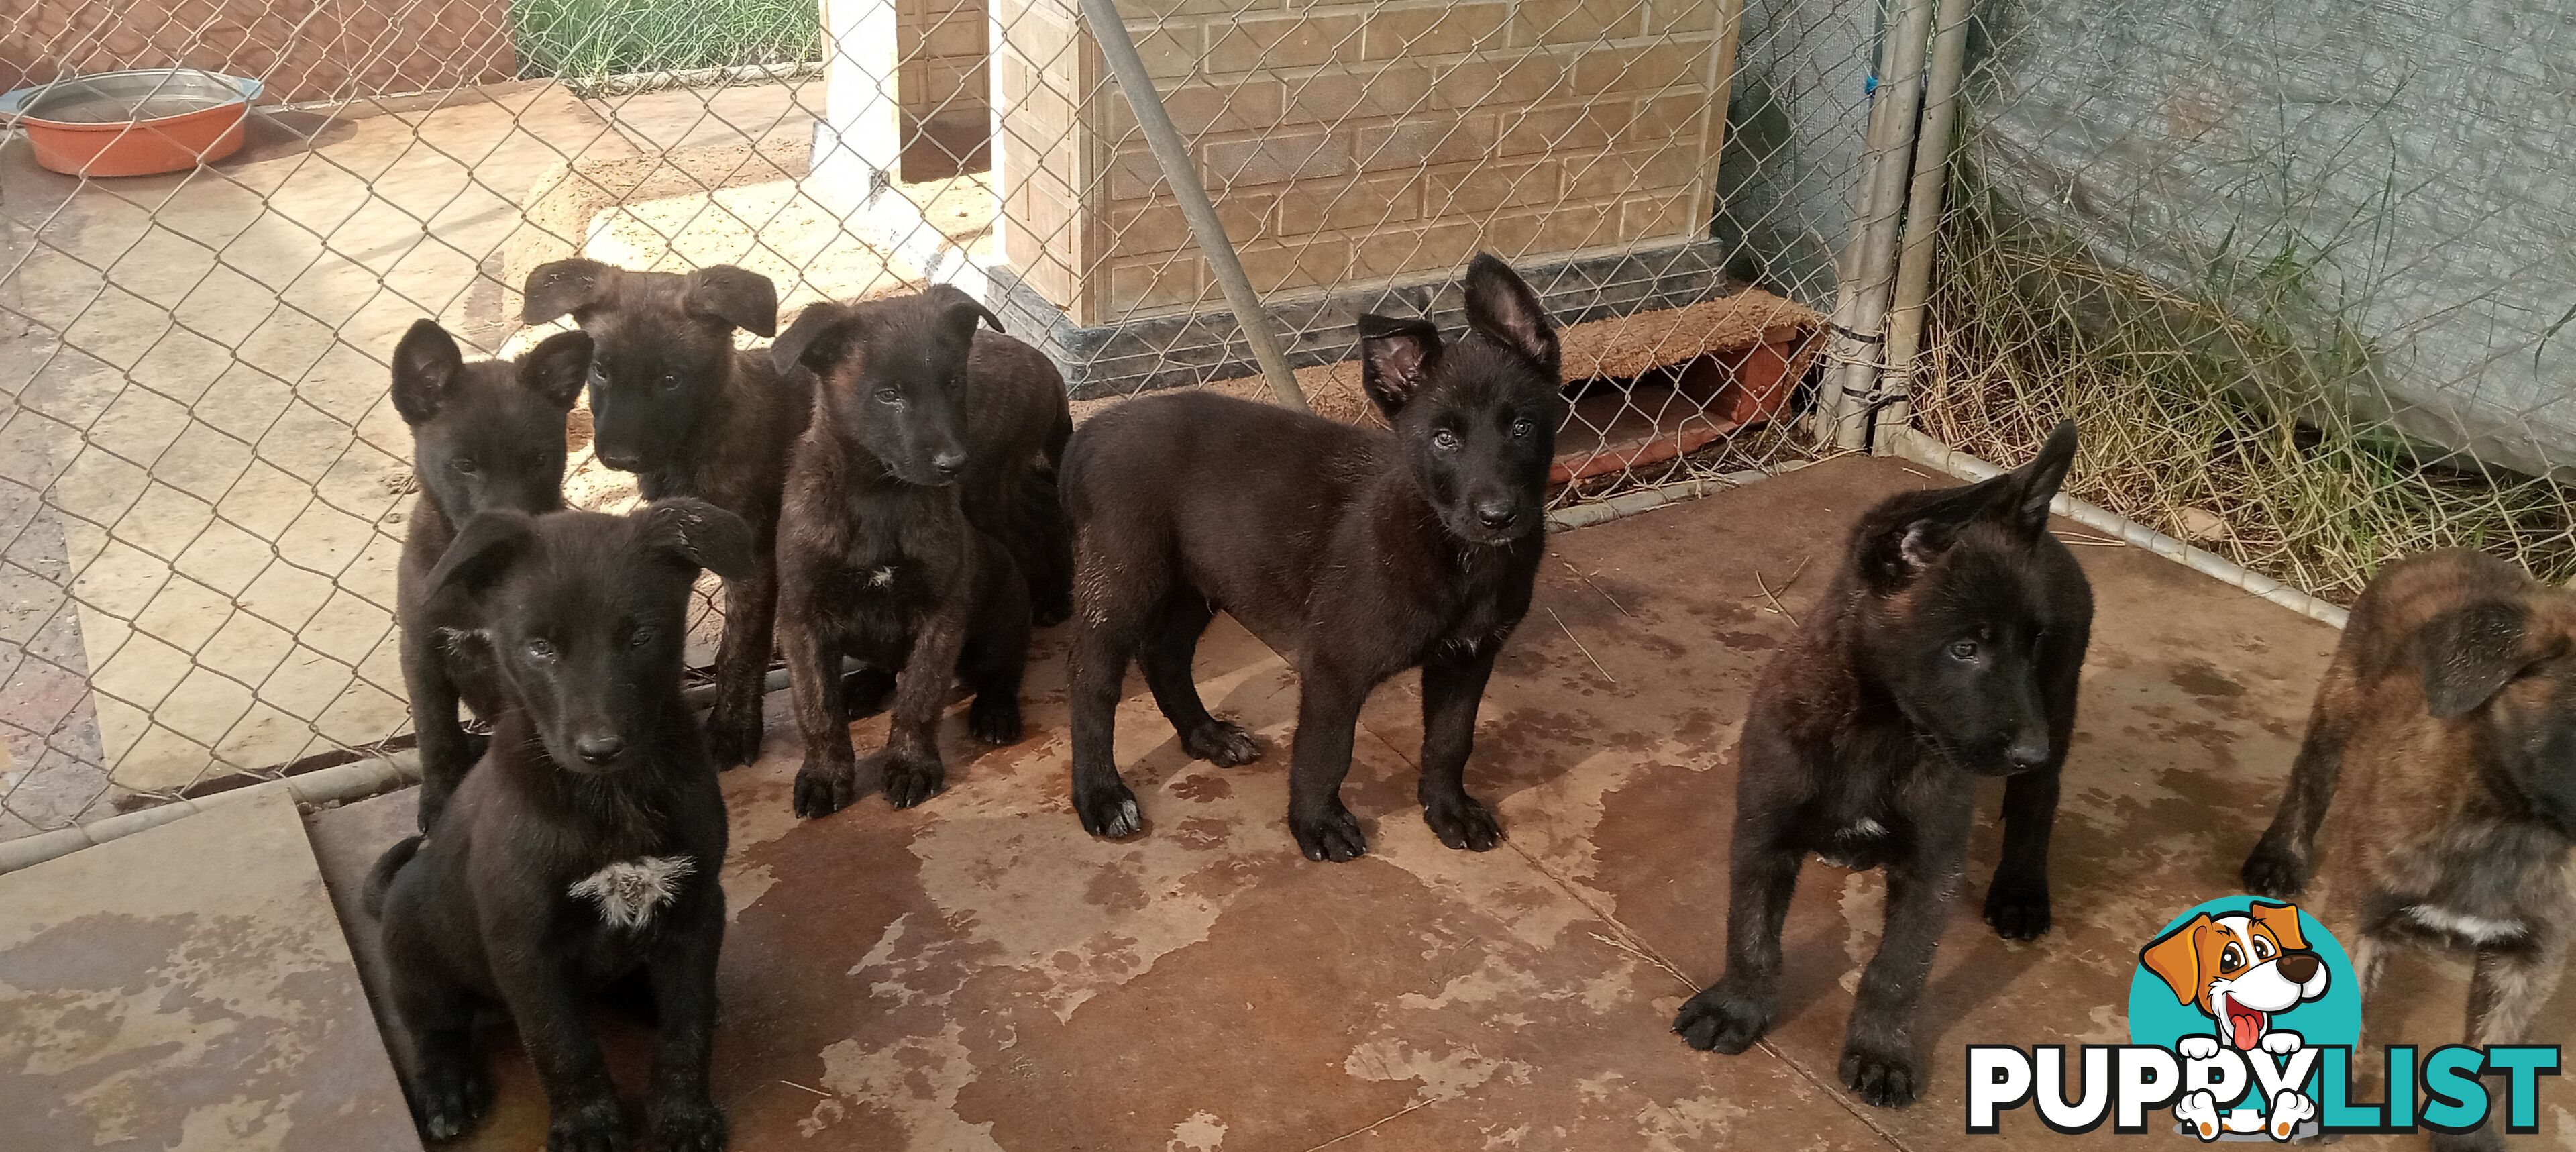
x=889 y=396
x=2262 y=948
x=598 y=375
x=669 y=383
x=540 y=650
x=1445 y=440
x=1524 y=428
x=2231 y=959
x=642 y=637
x=462 y=467
x=1964 y=650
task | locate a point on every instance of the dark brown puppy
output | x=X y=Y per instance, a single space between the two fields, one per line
x=932 y=451
x=484 y=437
x=674 y=402
x=1379 y=552
x=2447 y=723
x=1947 y=648
x=585 y=845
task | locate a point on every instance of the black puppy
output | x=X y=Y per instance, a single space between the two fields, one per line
x=586 y=843
x=484 y=436
x=929 y=439
x=674 y=402
x=1947 y=648
x=1380 y=552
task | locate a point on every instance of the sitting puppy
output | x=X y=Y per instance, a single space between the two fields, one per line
x=2448 y=724
x=1379 y=552
x=585 y=844
x=1947 y=648
x=928 y=438
x=484 y=436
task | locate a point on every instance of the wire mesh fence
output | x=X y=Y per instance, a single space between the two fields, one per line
x=203 y=485
x=2298 y=270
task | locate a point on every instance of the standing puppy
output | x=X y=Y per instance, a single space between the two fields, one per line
x=2447 y=723
x=484 y=437
x=1947 y=648
x=1380 y=552
x=928 y=438
x=674 y=402
x=586 y=843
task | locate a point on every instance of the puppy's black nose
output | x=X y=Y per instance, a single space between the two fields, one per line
x=599 y=749
x=2299 y=967
x=622 y=463
x=1497 y=514
x=2028 y=752
x=950 y=463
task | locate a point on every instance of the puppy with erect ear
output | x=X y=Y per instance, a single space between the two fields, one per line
x=486 y=436
x=1949 y=647
x=1423 y=541
x=586 y=843
x=674 y=401
x=2435 y=790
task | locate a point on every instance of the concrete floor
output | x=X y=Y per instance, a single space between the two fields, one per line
x=200 y=481
x=978 y=974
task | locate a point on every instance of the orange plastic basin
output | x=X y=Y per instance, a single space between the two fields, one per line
x=136 y=123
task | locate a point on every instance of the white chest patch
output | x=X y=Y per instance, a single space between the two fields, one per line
x=629 y=892
x=2477 y=929
x=1866 y=827
x=881 y=577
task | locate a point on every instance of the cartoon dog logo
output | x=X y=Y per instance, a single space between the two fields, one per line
x=2240 y=970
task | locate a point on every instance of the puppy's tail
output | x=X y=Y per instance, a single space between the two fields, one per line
x=381 y=876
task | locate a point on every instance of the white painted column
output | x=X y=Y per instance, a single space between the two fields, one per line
x=858 y=143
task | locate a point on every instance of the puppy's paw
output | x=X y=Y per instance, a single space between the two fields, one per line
x=1223 y=743
x=2289 y=1110
x=599 y=1126
x=2197 y=1047
x=1108 y=810
x=1719 y=1020
x=1881 y=1077
x=449 y=1098
x=912 y=777
x=688 y=1126
x=1460 y=822
x=994 y=720
x=2282 y=1043
x=2017 y=910
x=2274 y=870
x=1331 y=834
x=825 y=788
x=2199 y=1112
x=733 y=734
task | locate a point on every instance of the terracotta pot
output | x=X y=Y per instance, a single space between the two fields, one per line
x=137 y=123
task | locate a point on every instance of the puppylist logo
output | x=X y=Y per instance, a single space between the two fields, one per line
x=2243 y=1017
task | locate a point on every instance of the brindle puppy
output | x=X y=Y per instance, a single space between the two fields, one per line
x=2448 y=724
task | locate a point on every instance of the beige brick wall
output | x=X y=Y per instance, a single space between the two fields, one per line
x=1347 y=142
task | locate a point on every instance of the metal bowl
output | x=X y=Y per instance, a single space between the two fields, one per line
x=133 y=123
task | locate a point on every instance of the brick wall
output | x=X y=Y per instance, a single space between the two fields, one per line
x=302 y=49
x=1349 y=142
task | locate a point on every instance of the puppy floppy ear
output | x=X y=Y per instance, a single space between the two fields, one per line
x=1396 y=356
x=2023 y=503
x=737 y=296
x=959 y=309
x=483 y=549
x=2175 y=958
x=426 y=364
x=564 y=286
x=818 y=338
x=557 y=366
x=699 y=535
x=2282 y=920
x=1501 y=306
x=2470 y=653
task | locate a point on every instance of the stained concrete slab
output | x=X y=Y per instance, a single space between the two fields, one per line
x=188 y=987
x=979 y=974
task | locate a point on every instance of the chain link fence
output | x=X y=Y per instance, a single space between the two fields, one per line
x=2301 y=272
x=202 y=480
